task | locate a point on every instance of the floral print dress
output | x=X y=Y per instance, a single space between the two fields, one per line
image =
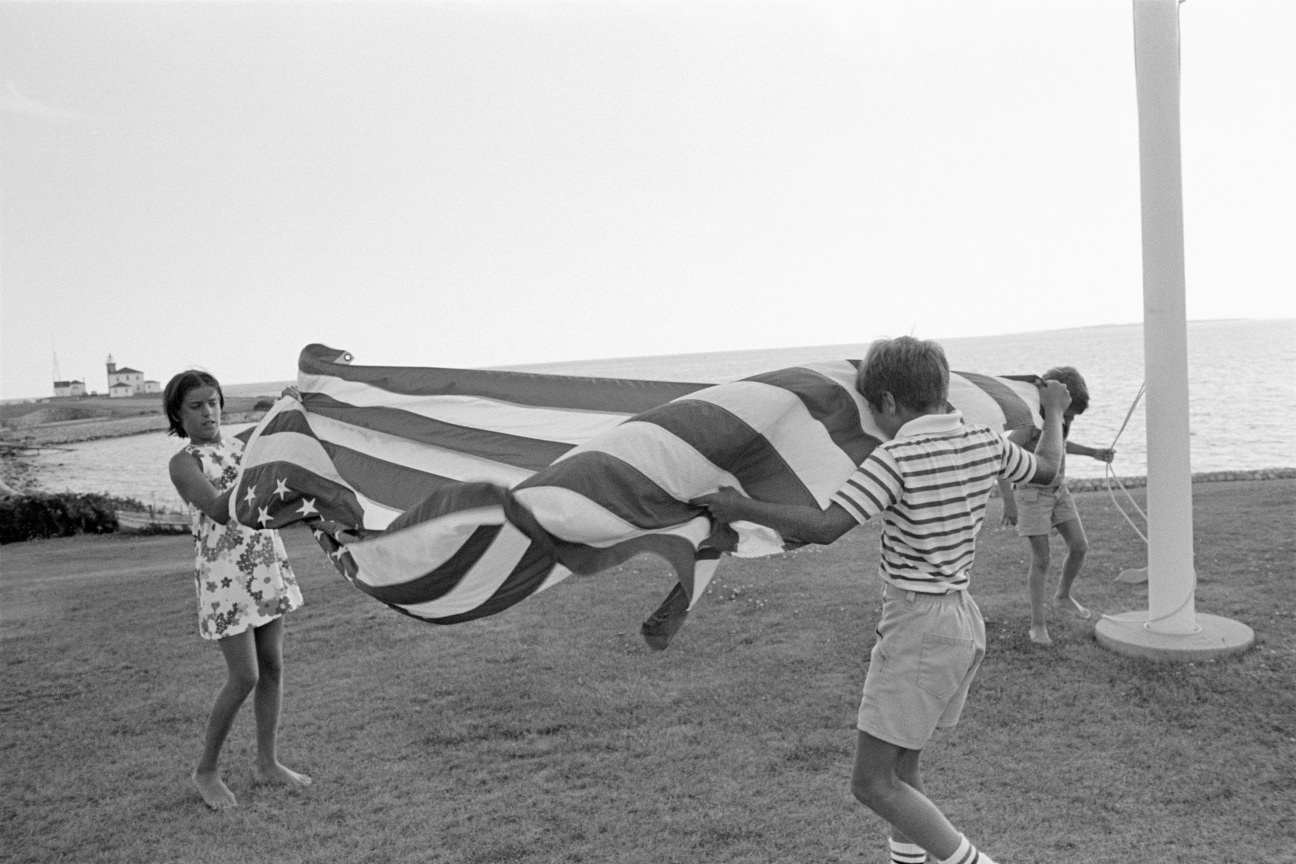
x=242 y=575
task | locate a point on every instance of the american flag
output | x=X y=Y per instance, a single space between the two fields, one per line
x=451 y=494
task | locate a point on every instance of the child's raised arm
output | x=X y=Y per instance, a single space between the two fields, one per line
x=1009 y=503
x=1022 y=438
x=807 y=524
x=1054 y=399
x=1104 y=454
x=196 y=489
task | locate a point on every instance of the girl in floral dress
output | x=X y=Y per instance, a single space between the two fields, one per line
x=243 y=581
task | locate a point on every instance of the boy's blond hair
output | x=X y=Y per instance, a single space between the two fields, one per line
x=914 y=371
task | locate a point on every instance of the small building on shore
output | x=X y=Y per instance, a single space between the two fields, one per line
x=69 y=388
x=120 y=390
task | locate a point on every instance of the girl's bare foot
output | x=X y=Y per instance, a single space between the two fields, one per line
x=1069 y=605
x=278 y=775
x=1040 y=636
x=214 y=792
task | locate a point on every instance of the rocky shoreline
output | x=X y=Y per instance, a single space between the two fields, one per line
x=19 y=476
x=1091 y=484
x=74 y=431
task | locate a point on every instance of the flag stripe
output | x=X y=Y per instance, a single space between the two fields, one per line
x=573 y=518
x=641 y=455
x=727 y=440
x=491 y=555
x=389 y=484
x=432 y=462
x=847 y=420
x=389 y=559
x=518 y=450
x=599 y=395
x=587 y=481
x=996 y=394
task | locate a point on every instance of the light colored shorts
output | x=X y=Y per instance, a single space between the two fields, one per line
x=928 y=650
x=1040 y=510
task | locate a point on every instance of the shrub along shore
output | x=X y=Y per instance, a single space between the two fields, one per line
x=1090 y=484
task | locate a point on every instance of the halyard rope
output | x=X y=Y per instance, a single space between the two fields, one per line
x=1110 y=477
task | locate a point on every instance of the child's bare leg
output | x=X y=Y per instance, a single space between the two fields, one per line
x=240 y=661
x=1039 y=545
x=909 y=771
x=1073 y=533
x=267 y=705
x=879 y=783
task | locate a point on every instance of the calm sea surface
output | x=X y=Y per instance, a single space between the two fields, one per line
x=1242 y=384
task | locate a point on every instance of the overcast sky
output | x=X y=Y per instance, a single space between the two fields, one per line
x=490 y=183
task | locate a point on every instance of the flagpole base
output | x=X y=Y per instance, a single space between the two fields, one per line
x=1215 y=637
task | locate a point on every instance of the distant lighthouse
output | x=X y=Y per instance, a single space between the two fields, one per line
x=127 y=381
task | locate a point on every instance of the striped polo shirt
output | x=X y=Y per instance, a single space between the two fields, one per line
x=931 y=483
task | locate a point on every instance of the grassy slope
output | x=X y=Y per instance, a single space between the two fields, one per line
x=549 y=734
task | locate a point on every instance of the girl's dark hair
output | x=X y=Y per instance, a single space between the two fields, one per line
x=914 y=371
x=176 y=389
x=1075 y=385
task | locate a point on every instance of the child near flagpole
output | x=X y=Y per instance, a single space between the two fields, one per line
x=1037 y=509
x=930 y=483
x=243 y=581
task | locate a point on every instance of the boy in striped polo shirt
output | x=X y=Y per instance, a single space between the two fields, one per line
x=930 y=482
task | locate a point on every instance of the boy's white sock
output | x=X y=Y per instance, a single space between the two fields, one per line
x=906 y=853
x=968 y=854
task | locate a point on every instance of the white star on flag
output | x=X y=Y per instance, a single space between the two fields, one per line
x=307 y=507
x=281 y=489
x=250 y=497
x=263 y=515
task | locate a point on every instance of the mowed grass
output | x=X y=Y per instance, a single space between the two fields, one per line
x=549 y=733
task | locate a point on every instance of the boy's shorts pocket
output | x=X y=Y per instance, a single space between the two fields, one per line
x=944 y=663
x=1028 y=496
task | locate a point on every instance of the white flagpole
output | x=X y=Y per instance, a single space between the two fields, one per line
x=1171 y=577
x=1171 y=629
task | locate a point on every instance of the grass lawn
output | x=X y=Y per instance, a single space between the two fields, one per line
x=549 y=733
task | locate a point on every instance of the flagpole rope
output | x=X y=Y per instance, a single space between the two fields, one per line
x=1110 y=476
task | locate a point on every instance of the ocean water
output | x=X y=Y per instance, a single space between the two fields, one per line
x=1241 y=378
x=132 y=466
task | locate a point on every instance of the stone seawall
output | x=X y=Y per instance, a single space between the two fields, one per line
x=87 y=430
x=1092 y=484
